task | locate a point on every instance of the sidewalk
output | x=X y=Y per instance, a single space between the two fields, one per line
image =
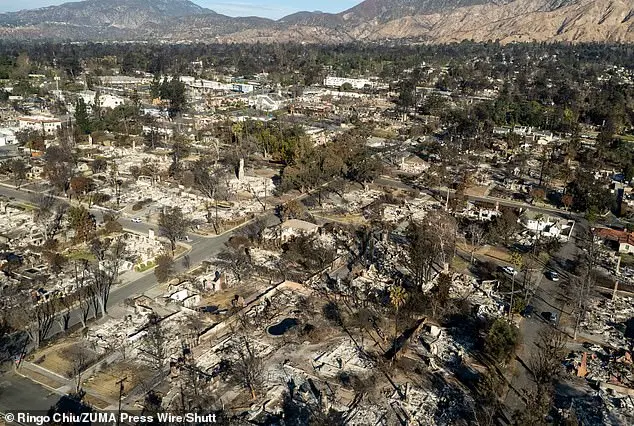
x=62 y=385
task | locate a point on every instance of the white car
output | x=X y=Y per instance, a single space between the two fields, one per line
x=509 y=270
x=136 y=220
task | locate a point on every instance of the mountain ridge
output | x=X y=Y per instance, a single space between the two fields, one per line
x=428 y=21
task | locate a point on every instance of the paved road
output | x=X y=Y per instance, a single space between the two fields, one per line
x=19 y=393
x=550 y=296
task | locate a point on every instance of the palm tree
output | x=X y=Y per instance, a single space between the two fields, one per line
x=398 y=297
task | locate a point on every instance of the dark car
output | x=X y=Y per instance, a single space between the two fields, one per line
x=528 y=311
x=552 y=275
x=550 y=316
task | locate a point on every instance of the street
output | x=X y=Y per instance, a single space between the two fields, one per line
x=19 y=393
x=550 y=296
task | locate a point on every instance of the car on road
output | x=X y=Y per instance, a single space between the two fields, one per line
x=552 y=275
x=509 y=270
x=528 y=311
x=136 y=220
x=550 y=316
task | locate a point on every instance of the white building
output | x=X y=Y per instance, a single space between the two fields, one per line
x=163 y=131
x=242 y=87
x=356 y=83
x=124 y=80
x=483 y=212
x=105 y=100
x=268 y=102
x=47 y=125
x=7 y=137
x=546 y=226
x=197 y=86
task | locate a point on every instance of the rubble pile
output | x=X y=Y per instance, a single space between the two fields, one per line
x=143 y=248
x=603 y=365
x=601 y=408
x=103 y=336
x=266 y=258
x=443 y=403
x=18 y=227
x=608 y=318
x=354 y=201
x=343 y=358
x=420 y=406
x=370 y=283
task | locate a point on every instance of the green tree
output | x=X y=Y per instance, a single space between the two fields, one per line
x=19 y=170
x=82 y=119
x=501 y=340
x=82 y=222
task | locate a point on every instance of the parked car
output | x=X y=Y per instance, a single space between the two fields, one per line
x=136 y=220
x=528 y=311
x=550 y=316
x=552 y=275
x=508 y=270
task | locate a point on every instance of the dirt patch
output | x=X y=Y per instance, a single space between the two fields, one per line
x=480 y=191
x=498 y=253
x=222 y=299
x=105 y=381
x=58 y=357
x=96 y=402
x=350 y=219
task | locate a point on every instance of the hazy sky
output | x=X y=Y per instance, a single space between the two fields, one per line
x=267 y=8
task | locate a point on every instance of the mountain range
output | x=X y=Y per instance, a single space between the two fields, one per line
x=428 y=21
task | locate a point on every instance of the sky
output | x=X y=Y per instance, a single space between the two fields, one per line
x=266 y=8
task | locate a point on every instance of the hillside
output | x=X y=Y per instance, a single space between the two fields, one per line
x=430 y=21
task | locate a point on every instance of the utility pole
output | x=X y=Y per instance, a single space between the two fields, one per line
x=616 y=288
x=120 y=383
x=447 y=201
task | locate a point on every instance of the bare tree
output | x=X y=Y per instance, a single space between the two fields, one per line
x=430 y=242
x=79 y=356
x=49 y=213
x=475 y=233
x=154 y=347
x=584 y=281
x=195 y=325
x=86 y=296
x=173 y=225
x=19 y=169
x=248 y=367
x=504 y=226
x=545 y=364
x=195 y=395
x=164 y=267
x=237 y=260
x=105 y=270
x=66 y=304
x=36 y=319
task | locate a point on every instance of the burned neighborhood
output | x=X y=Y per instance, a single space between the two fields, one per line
x=390 y=231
